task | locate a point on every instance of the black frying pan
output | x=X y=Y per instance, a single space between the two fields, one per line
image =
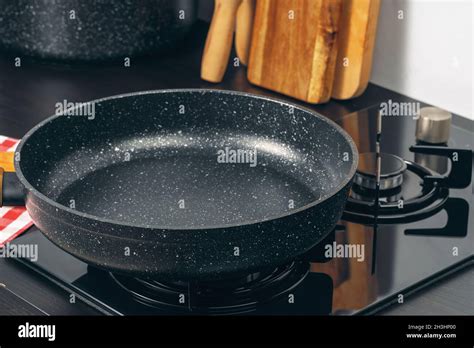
x=149 y=185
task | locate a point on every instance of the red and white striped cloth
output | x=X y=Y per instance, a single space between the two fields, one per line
x=13 y=220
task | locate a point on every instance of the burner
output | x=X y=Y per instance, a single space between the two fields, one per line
x=391 y=175
x=409 y=201
x=240 y=294
x=422 y=194
x=367 y=195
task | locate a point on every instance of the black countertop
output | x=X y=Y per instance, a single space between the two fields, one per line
x=28 y=95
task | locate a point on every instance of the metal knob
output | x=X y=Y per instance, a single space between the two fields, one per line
x=433 y=125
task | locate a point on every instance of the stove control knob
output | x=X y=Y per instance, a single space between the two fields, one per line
x=433 y=125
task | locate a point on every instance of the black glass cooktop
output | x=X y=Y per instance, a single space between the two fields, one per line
x=362 y=267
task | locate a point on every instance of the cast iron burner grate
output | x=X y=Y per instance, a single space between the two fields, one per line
x=413 y=192
x=237 y=295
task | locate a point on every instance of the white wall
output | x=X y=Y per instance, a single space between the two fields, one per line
x=428 y=54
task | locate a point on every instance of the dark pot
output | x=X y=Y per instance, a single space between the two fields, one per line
x=93 y=30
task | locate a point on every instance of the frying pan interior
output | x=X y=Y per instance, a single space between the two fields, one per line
x=164 y=159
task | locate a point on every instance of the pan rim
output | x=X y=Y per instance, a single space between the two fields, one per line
x=355 y=159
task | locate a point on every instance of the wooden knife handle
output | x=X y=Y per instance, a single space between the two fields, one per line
x=219 y=40
x=243 y=30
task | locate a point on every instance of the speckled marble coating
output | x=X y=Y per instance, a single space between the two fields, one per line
x=98 y=29
x=143 y=174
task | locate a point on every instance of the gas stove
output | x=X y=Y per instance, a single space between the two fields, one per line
x=392 y=241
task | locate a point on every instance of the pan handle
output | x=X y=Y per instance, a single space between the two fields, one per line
x=12 y=192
